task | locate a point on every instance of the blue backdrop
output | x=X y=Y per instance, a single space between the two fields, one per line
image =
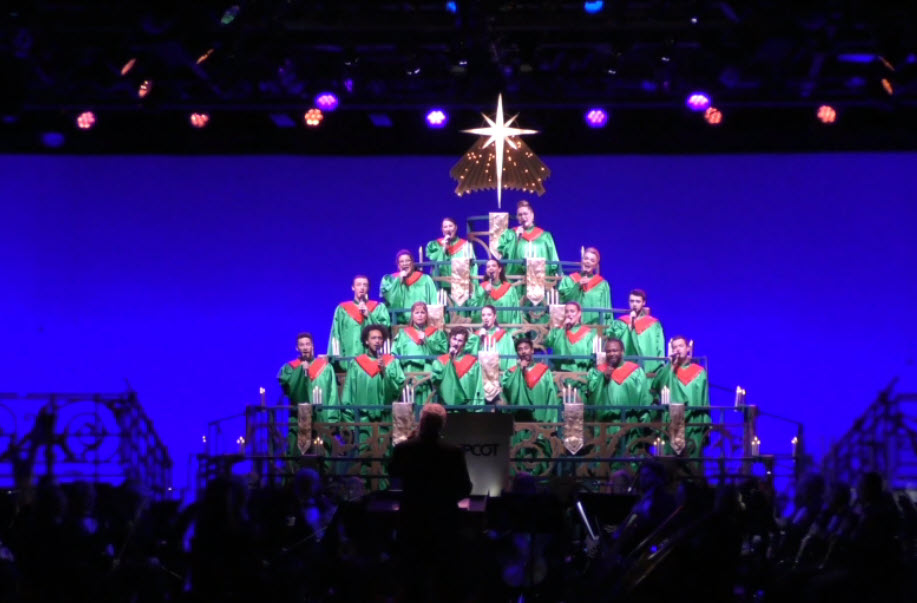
x=189 y=276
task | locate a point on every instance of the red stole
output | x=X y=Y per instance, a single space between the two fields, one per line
x=411 y=278
x=497 y=335
x=531 y=236
x=369 y=364
x=534 y=375
x=642 y=324
x=316 y=368
x=499 y=291
x=354 y=311
x=590 y=284
x=414 y=334
x=687 y=374
x=577 y=337
x=462 y=366
x=454 y=248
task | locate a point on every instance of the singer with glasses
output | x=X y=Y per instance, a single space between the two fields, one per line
x=528 y=241
x=351 y=316
x=641 y=333
x=457 y=375
x=401 y=289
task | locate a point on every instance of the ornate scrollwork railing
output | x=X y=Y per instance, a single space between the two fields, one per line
x=98 y=437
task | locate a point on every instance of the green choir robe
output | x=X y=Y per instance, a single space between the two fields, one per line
x=502 y=341
x=297 y=383
x=401 y=293
x=503 y=295
x=458 y=381
x=367 y=384
x=595 y=293
x=347 y=326
x=578 y=341
x=409 y=343
x=628 y=386
x=687 y=385
x=532 y=386
x=644 y=338
x=437 y=252
x=534 y=242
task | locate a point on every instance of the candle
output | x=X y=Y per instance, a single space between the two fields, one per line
x=794 y=441
x=582 y=252
x=204 y=441
x=263 y=397
x=740 y=396
x=755 y=446
x=335 y=347
x=420 y=253
x=241 y=443
x=665 y=395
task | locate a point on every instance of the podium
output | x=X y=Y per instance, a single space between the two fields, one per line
x=485 y=438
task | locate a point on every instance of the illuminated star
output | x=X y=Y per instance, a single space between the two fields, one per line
x=500 y=133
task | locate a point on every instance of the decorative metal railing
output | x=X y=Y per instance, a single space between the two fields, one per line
x=882 y=439
x=67 y=436
x=276 y=442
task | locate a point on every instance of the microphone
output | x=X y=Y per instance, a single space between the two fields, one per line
x=453 y=351
x=633 y=320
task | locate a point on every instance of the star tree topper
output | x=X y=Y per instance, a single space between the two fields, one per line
x=499 y=160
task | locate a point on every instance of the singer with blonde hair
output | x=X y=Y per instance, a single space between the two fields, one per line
x=587 y=287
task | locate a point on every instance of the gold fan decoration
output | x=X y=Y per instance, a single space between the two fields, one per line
x=501 y=160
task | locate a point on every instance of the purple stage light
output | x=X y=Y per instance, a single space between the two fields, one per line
x=437 y=118
x=596 y=118
x=326 y=101
x=698 y=101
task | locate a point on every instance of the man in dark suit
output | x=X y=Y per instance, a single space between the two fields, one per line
x=434 y=478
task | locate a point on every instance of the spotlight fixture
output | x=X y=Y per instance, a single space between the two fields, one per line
x=204 y=56
x=596 y=118
x=314 y=117
x=713 y=116
x=85 y=120
x=146 y=86
x=698 y=101
x=437 y=118
x=199 y=120
x=593 y=7
x=326 y=101
x=887 y=86
x=826 y=114
x=128 y=66
x=451 y=6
